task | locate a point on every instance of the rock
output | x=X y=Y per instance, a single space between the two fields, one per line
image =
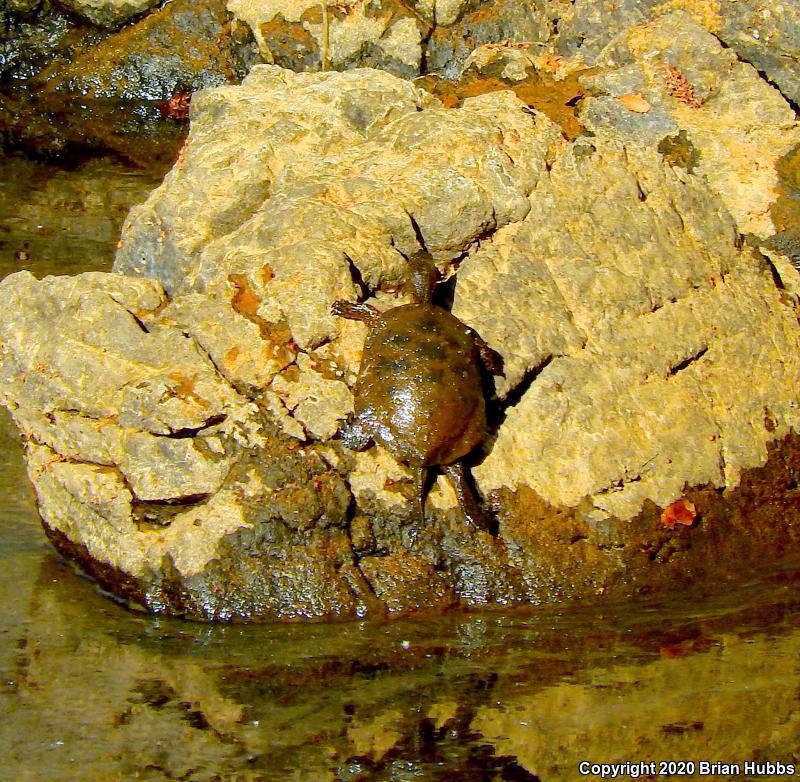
x=404 y=38
x=181 y=47
x=404 y=583
x=441 y=12
x=736 y=124
x=315 y=184
x=181 y=413
x=585 y=28
x=385 y=34
x=144 y=471
x=764 y=35
x=314 y=398
x=465 y=26
x=109 y=13
x=244 y=352
x=543 y=82
x=33 y=34
x=767 y=37
x=629 y=300
x=155 y=387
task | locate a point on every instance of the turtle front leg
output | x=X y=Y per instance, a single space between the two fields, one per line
x=490 y=358
x=466 y=497
x=363 y=312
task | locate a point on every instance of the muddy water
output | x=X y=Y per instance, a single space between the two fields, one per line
x=92 y=691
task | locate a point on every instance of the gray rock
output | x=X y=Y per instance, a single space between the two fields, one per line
x=736 y=124
x=109 y=13
x=585 y=27
x=33 y=34
x=181 y=47
x=647 y=128
x=465 y=26
x=767 y=35
x=763 y=34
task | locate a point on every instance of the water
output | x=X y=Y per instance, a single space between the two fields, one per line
x=92 y=691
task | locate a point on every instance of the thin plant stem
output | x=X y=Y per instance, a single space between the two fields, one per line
x=326 y=37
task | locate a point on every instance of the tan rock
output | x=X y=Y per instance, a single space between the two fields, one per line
x=739 y=124
x=355 y=32
x=317 y=401
x=179 y=447
x=634 y=391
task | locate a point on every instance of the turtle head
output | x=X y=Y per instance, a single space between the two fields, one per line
x=422 y=277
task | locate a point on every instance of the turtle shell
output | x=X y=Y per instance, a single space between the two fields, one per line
x=419 y=391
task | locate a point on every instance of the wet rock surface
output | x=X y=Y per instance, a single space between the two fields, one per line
x=651 y=354
x=35 y=33
x=56 y=126
x=179 y=48
x=109 y=13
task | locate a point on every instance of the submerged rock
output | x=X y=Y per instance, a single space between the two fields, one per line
x=181 y=414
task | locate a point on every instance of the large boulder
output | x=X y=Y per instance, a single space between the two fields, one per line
x=181 y=414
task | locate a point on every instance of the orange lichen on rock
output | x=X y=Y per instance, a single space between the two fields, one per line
x=635 y=102
x=244 y=299
x=556 y=98
x=679 y=512
x=231 y=356
x=679 y=87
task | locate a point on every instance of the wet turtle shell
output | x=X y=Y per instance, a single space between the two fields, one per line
x=419 y=390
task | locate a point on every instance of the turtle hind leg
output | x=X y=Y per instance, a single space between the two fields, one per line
x=470 y=506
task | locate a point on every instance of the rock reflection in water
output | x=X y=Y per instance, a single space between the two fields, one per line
x=95 y=690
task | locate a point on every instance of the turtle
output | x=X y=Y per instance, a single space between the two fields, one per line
x=419 y=391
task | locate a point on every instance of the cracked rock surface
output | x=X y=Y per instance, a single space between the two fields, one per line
x=181 y=414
